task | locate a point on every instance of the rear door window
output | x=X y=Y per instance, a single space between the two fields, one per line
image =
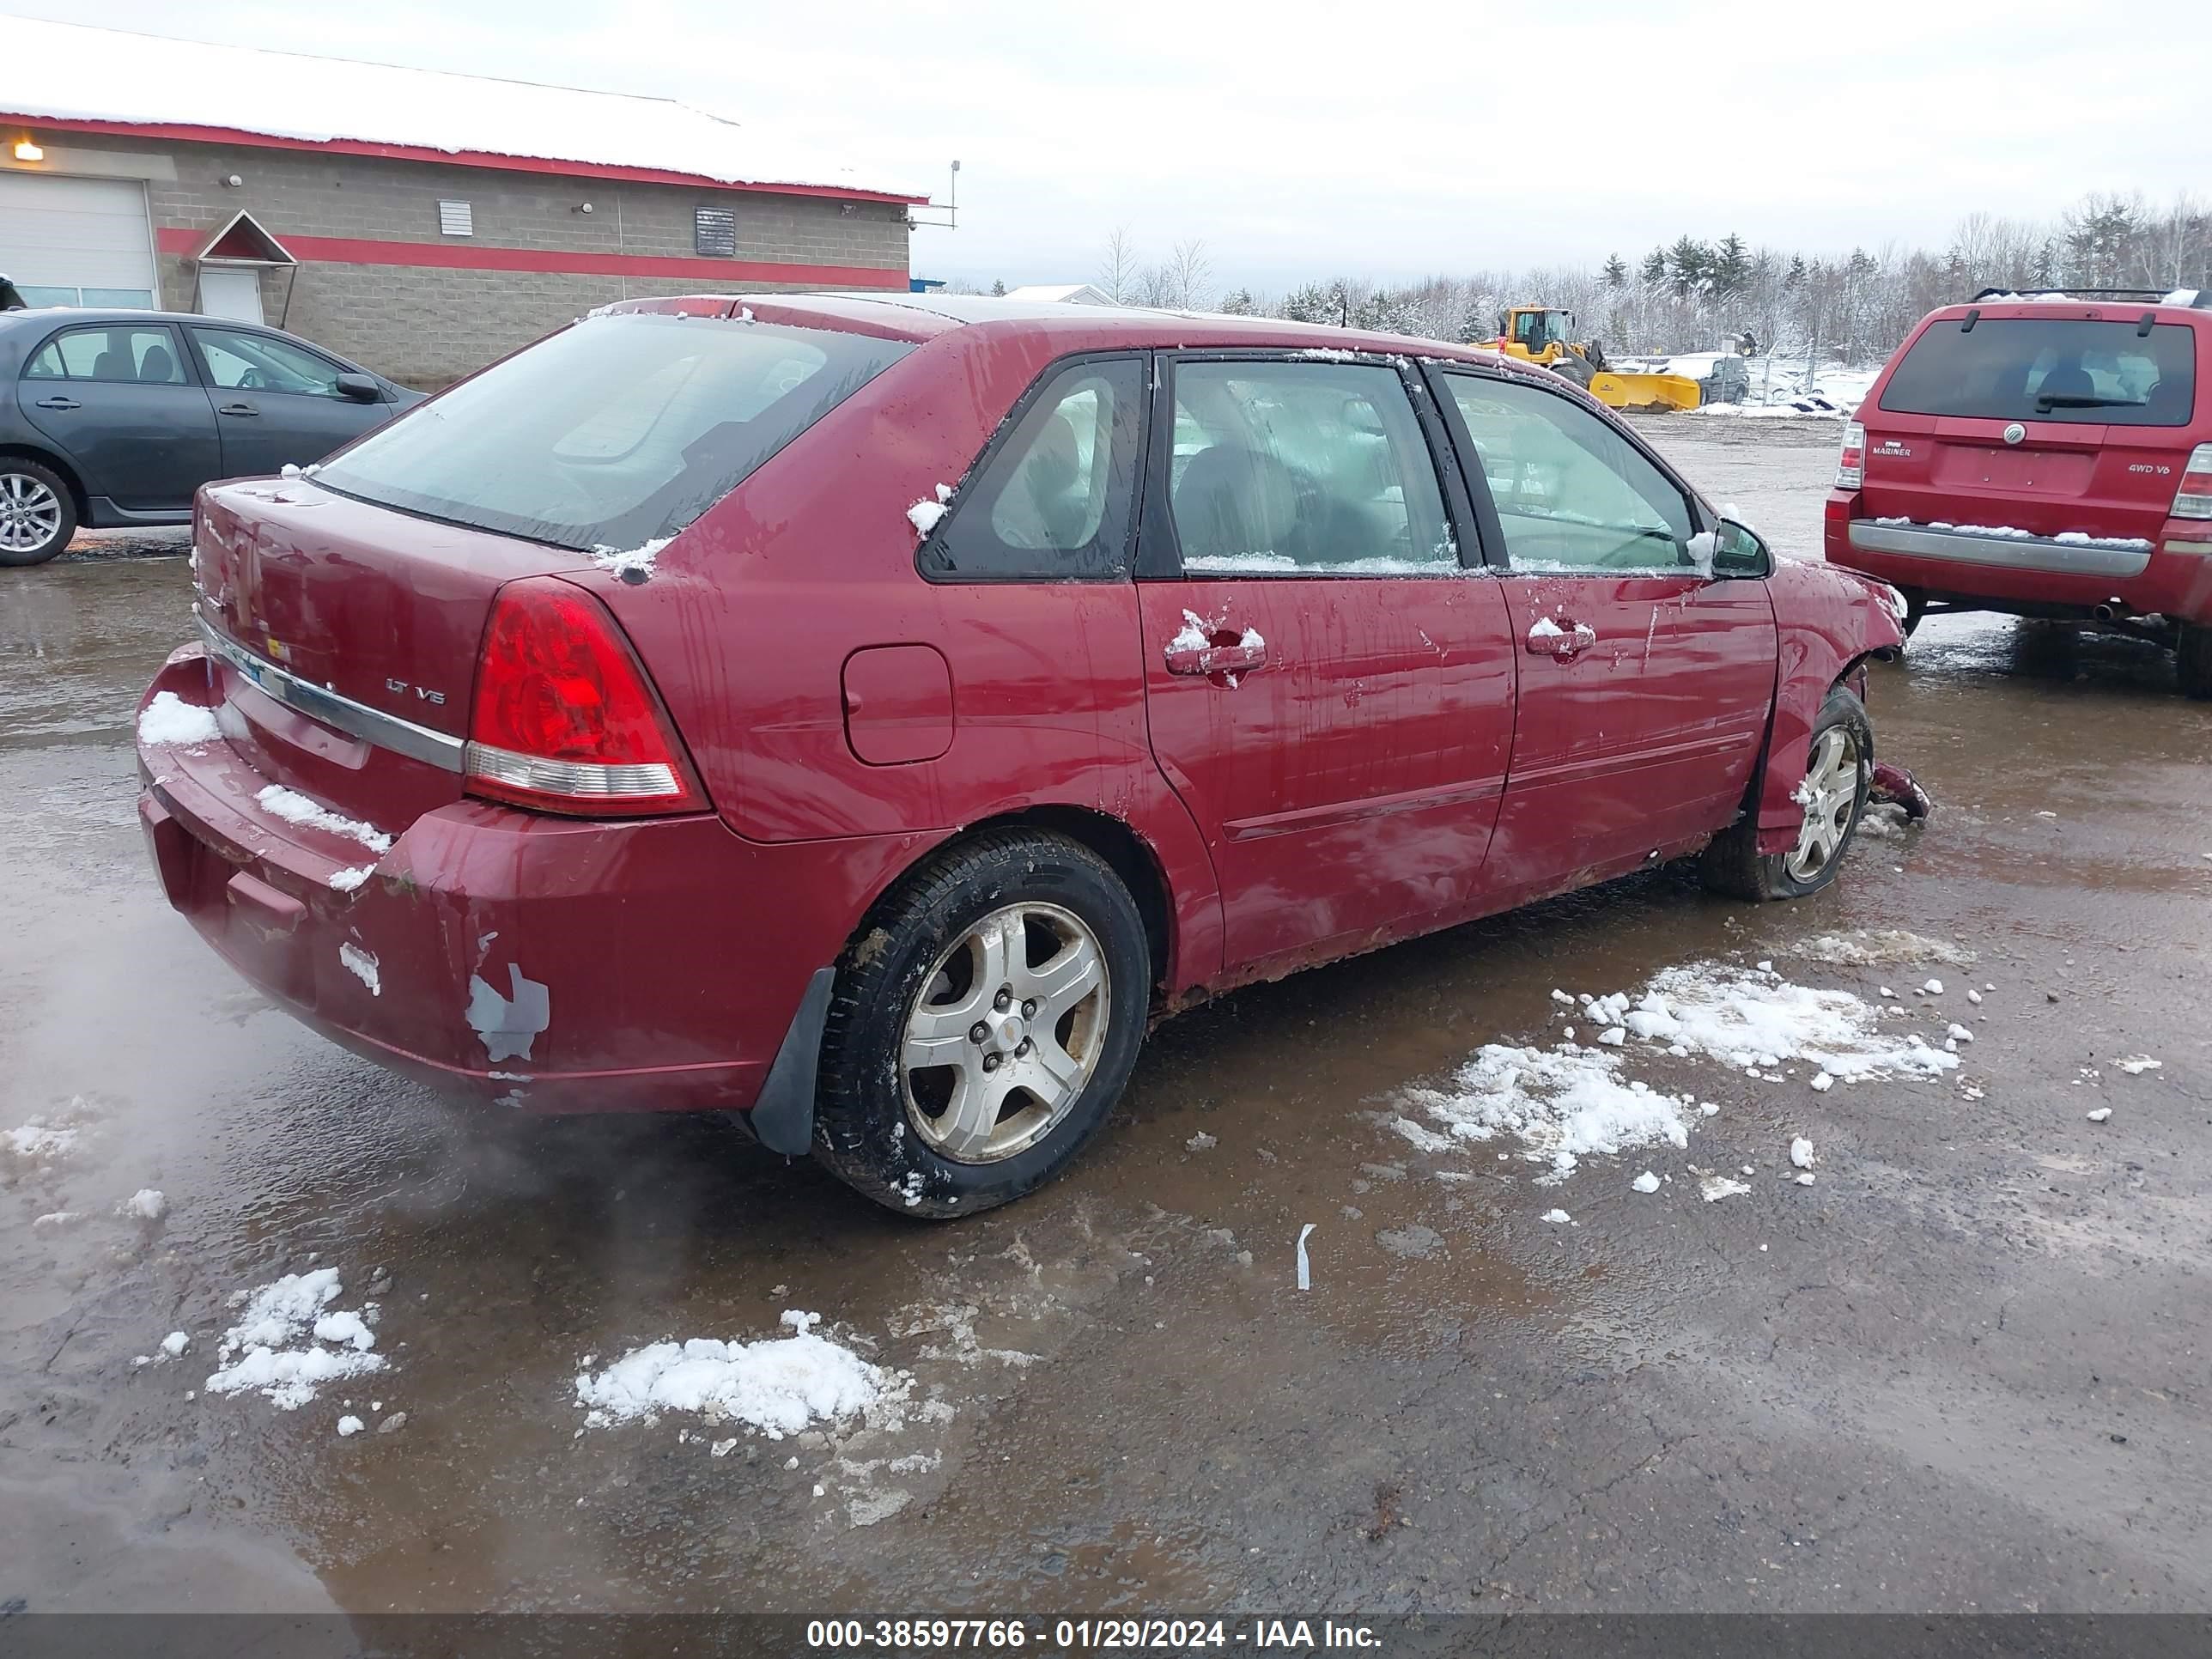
x=616 y=431
x=2063 y=369
x=143 y=356
x=1303 y=468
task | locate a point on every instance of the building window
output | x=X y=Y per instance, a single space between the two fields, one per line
x=456 y=219
x=715 y=232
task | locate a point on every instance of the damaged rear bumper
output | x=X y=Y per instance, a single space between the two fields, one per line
x=547 y=964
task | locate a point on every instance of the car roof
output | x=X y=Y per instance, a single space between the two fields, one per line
x=923 y=316
x=47 y=316
x=2169 y=309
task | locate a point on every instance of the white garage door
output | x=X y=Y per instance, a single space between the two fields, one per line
x=75 y=241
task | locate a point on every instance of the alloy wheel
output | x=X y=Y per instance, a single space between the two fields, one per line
x=1829 y=795
x=30 y=513
x=1007 y=1031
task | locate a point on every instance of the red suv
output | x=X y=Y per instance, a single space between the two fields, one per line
x=870 y=714
x=2045 y=454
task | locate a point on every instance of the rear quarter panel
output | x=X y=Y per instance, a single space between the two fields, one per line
x=751 y=616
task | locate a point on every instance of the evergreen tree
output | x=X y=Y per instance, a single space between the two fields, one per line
x=1239 y=302
x=1729 y=266
x=1654 y=270
x=998 y=287
x=1616 y=273
x=1689 y=263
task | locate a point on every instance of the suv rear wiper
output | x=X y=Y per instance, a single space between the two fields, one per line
x=2062 y=400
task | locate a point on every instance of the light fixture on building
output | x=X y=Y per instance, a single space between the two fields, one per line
x=27 y=151
x=583 y=207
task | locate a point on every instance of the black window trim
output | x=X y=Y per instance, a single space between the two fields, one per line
x=1701 y=514
x=193 y=332
x=179 y=350
x=1047 y=377
x=1159 y=549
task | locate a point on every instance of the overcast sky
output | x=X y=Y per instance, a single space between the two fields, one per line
x=1384 y=139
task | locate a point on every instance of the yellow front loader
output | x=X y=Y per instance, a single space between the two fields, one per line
x=1541 y=334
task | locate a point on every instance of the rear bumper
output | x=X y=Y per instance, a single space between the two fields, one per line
x=2173 y=575
x=547 y=964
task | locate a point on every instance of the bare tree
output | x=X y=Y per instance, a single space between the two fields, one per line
x=1117 y=269
x=1188 y=272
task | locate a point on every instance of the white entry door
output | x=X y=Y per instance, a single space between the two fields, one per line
x=233 y=293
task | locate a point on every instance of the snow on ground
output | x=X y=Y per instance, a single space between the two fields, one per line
x=779 y=1386
x=1869 y=947
x=277 y=1346
x=1566 y=1102
x=39 y=1139
x=294 y=807
x=1778 y=386
x=147 y=1204
x=170 y=719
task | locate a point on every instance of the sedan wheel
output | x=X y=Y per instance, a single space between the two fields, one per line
x=32 y=514
x=986 y=1017
x=1007 y=1031
x=1830 y=795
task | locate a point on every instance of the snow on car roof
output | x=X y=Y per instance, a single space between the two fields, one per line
x=70 y=72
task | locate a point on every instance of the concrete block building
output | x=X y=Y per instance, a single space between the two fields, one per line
x=420 y=223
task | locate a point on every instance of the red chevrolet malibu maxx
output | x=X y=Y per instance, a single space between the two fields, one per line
x=2045 y=454
x=868 y=714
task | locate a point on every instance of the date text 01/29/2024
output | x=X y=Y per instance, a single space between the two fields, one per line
x=1086 y=1635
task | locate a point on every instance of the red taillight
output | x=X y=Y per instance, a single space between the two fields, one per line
x=2194 y=499
x=563 y=720
x=1850 y=461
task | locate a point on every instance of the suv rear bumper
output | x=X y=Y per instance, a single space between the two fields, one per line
x=2172 y=576
x=549 y=964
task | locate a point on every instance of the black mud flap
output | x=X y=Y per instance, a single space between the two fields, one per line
x=782 y=1118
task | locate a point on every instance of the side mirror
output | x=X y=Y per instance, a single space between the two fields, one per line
x=1739 y=554
x=361 y=388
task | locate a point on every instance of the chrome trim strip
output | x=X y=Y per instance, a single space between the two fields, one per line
x=2200 y=548
x=319 y=703
x=2015 y=552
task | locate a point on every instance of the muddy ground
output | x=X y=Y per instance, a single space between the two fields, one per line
x=1966 y=1369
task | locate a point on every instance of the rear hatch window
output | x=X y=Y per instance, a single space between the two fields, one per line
x=2036 y=368
x=615 y=433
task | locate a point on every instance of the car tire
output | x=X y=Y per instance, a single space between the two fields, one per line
x=2192 y=661
x=1842 y=746
x=944 y=1140
x=37 y=515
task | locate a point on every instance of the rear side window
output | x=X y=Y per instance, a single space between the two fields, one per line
x=619 y=431
x=2036 y=368
x=1053 y=502
x=147 y=356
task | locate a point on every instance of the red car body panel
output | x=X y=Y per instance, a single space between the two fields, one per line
x=1401 y=759
x=2060 y=479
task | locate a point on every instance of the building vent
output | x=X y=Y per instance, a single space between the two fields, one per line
x=456 y=219
x=715 y=232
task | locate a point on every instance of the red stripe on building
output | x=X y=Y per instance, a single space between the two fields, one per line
x=466 y=256
x=466 y=158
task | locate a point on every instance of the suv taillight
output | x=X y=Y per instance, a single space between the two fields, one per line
x=1850 y=462
x=2194 y=499
x=563 y=720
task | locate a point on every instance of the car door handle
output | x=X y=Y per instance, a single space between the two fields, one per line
x=238 y=409
x=59 y=402
x=1241 y=658
x=1562 y=641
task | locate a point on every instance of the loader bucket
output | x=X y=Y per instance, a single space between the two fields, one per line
x=1617 y=391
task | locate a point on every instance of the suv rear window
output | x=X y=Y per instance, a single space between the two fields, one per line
x=2036 y=368
x=612 y=434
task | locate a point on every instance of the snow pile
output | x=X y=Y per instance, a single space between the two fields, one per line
x=2136 y=1065
x=1646 y=1182
x=924 y=514
x=170 y=719
x=39 y=1139
x=1561 y=1103
x=344 y=881
x=147 y=1204
x=624 y=562
x=1880 y=944
x=1751 y=1017
x=294 y=807
x=276 y=1348
x=776 y=1386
